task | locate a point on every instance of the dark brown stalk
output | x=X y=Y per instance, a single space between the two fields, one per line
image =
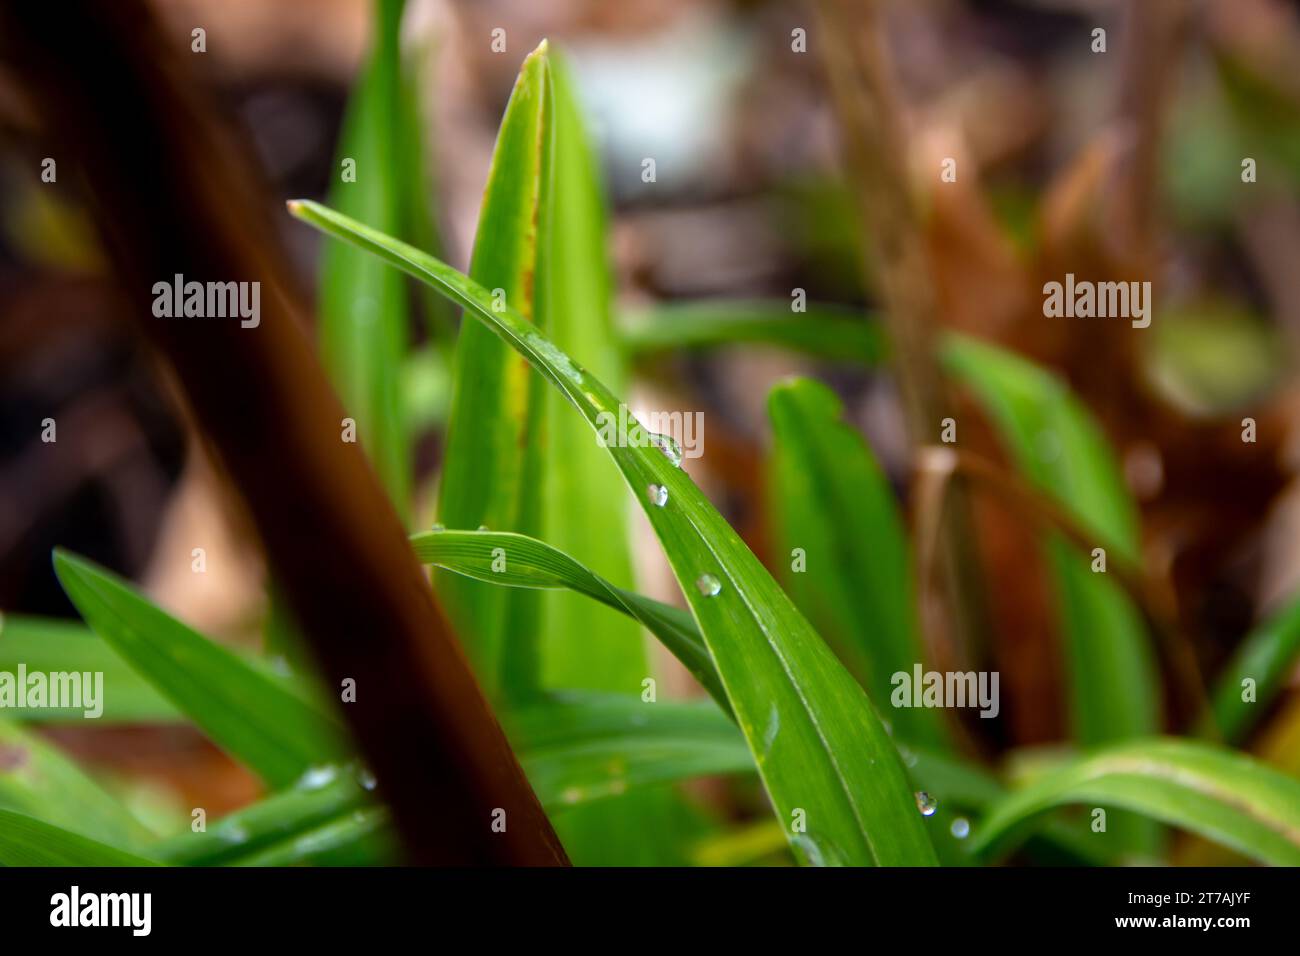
x=173 y=194
x=875 y=149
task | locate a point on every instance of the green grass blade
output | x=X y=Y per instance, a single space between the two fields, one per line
x=1218 y=794
x=1266 y=657
x=835 y=333
x=26 y=841
x=50 y=645
x=326 y=812
x=491 y=467
x=1114 y=687
x=584 y=746
x=364 y=317
x=37 y=779
x=574 y=309
x=819 y=746
x=248 y=714
x=525 y=562
x=574 y=304
x=831 y=500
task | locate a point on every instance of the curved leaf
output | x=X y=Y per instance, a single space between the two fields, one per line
x=819 y=746
x=1223 y=796
x=1265 y=657
x=515 y=560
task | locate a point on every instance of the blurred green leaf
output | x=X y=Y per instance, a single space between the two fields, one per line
x=1266 y=656
x=835 y=333
x=1218 y=794
x=1211 y=358
x=51 y=645
x=26 y=841
x=1114 y=688
x=249 y=715
x=831 y=500
x=36 y=778
x=529 y=563
x=364 y=318
x=581 y=746
x=823 y=754
x=328 y=811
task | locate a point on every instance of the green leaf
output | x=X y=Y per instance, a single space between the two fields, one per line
x=525 y=562
x=491 y=467
x=575 y=314
x=364 y=318
x=1114 y=691
x=26 y=841
x=36 y=778
x=819 y=746
x=51 y=645
x=328 y=812
x=574 y=310
x=1220 y=795
x=831 y=500
x=1266 y=656
x=835 y=333
x=251 y=716
x=583 y=746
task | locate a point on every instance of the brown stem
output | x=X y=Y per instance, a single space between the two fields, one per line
x=172 y=194
x=871 y=123
x=1154 y=599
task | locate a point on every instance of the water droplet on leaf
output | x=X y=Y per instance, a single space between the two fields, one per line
x=926 y=803
x=668 y=445
x=708 y=584
x=658 y=495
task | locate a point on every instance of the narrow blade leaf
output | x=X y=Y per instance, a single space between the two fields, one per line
x=1213 y=792
x=26 y=841
x=823 y=754
x=246 y=713
x=831 y=501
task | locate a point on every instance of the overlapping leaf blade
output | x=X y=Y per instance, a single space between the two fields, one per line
x=364 y=317
x=1214 y=792
x=1265 y=657
x=831 y=501
x=819 y=746
x=51 y=645
x=253 y=717
x=26 y=841
x=491 y=467
x=515 y=560
x=1114 y=691
x=36 y=778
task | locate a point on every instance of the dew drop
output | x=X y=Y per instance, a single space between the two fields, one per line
x=960 y=828
x=668 y=445
x=438 y=526
x=316 y=777
x=708 y=584
x=658 y=495
x=367 y=780
x=926 y=803
x=482 y=527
